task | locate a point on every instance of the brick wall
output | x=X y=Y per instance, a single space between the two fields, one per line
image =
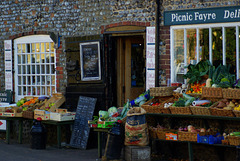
x=68 y=18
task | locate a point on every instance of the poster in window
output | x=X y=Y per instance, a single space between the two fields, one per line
x=90 y=61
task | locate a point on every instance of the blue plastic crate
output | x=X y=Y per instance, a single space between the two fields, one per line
x=210 y=139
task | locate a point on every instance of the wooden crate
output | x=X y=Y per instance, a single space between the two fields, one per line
x=57 y=98
x=137 y=153
x=10 y=114
x=59 y=116
x=45 y=115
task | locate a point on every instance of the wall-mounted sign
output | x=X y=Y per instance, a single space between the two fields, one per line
x=90 y=61
x=6 y=96
x=8 y=64
x=203 y=15
x=150 y=58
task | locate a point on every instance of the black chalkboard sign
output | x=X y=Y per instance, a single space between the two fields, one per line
x=6 y=96
x=84 y=112
x=90 y=61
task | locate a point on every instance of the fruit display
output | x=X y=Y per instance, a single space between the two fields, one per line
x=32 y=104
x=226 y=104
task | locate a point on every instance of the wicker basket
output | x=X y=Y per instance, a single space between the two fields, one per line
x=162 y=91
x=187 y=136
x=220 y=112
x=198 y=110
x=212 y=92
x=161 y=134
x=153 y=132
x=236 y=113
x=180 y=110
x=28 y=114
x=234 y=140
x=154 y=109
x=231 y=93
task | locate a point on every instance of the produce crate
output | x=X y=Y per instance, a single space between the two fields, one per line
x=210 y=139
x=57 y=98
x=28 y=114
x=220 y=112
x=154 y=109
x=187 y=136
x=62 y=115
x=181 y=110
x=234 y=140
x=137 y=153
x=162 y=91
x=161 y=134
x=209 y=92
x=105 y=124
x=44 y=115
x=230 y=93
x=14 y=112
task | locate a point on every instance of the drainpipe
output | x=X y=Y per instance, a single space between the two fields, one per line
x=157 y=45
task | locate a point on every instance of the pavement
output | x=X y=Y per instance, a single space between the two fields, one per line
x=22 y=152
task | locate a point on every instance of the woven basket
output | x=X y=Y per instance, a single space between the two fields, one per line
x=162 y=91
x=154 y=109
x=234 y=140
x=236 y=113
x=28 y=114
x=187 y=136
x=220 y=112
x=153 y=132
x=212 y=92
x=180 y=110
x=198 y=110
x=231 y=93
x=161 y=134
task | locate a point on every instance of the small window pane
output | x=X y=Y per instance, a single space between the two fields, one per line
x=47 y=58
x=52 y=69
x=23 y=48
x=42 y=69
x=191 y=46
x=24 y=80
x=47 y=47
x=43 y=91
x=34 y=90
x=217 y=46
x=38 y=69
x=48 y=80
x=19 y=59
x=23 y=59
x=28 y=59
x=33 y=69
x=28 y=80
x=19 y=48
x=52 y=47
x=231 y=48
x=37 y=47
x=33 y=58
x=28 y=69
x=24 y=90
x=38 y=80
x=43 y=80
x=19 y=80
x=38 y=58
x=19 y=69
x=204 y=47
x=48 y=90
x=33 y=80
x=38 y=90
x=42 y=47
x=53 y=79
x=33 y=47
x=24 y=69
x=28 y=48
x=52 y=58
x=47 y=69
x=43 y=58
x=29 y=91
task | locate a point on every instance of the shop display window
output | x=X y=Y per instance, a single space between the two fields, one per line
x=219 y=43
x=35 y=66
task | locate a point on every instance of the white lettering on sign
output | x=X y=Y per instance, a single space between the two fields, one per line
x=186 y=17
x=204 y=16
x=233 y=14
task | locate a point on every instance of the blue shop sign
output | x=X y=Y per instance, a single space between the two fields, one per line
x=200 y=16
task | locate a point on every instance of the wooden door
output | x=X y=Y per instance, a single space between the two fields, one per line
x=130 y=68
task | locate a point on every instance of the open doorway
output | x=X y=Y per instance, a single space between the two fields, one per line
x=130 y=68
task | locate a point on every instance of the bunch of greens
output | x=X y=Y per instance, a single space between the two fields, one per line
x=222 y=77
x=195 y=72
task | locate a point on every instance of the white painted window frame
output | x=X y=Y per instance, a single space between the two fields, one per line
x=203 y=26
x=34 y=39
